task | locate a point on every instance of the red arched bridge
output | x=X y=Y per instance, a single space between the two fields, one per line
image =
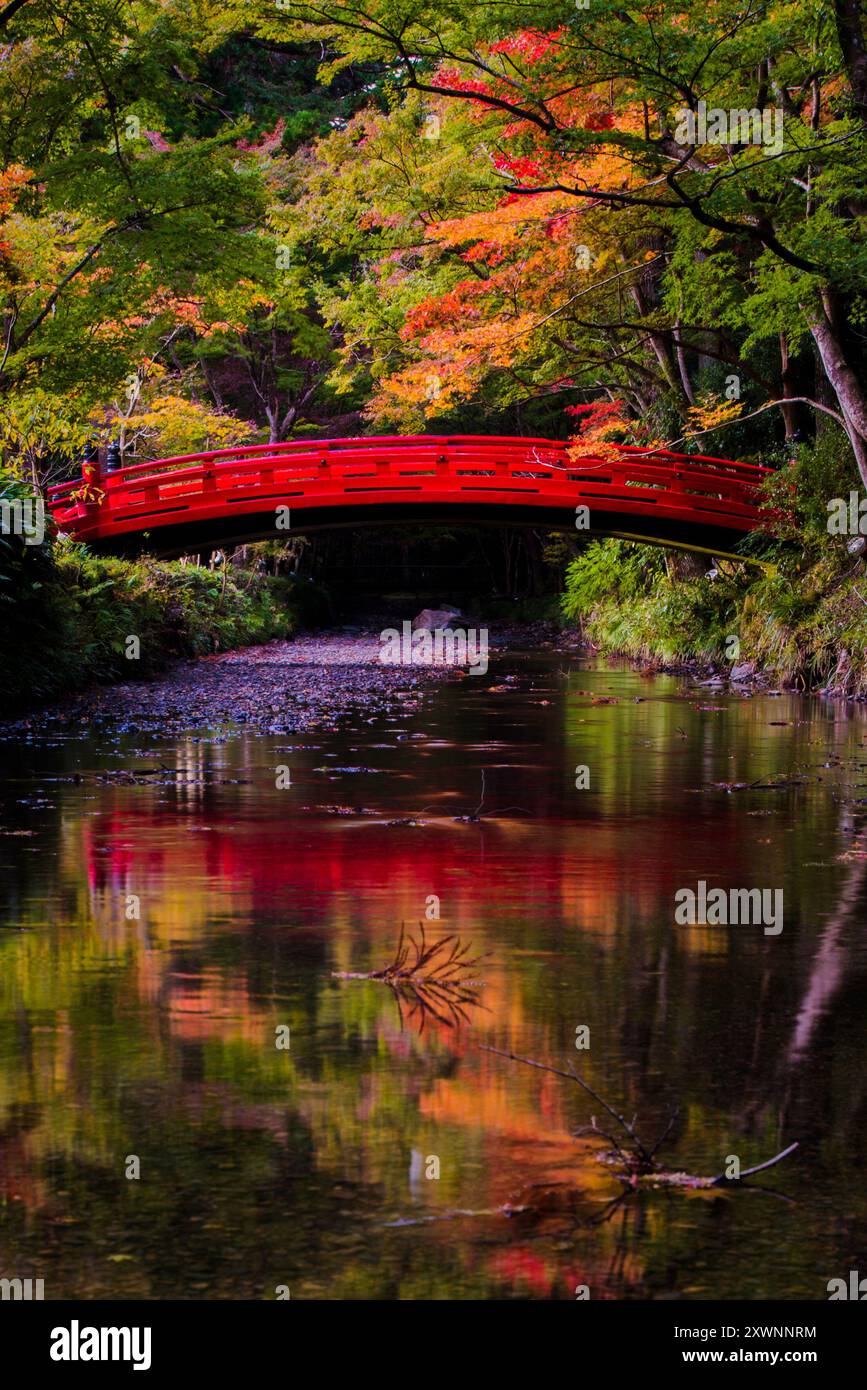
x=229 y=496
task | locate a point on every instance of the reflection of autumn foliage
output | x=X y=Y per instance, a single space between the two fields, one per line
x=207 y=1005
x=246 y=910
x=524 y=1270
x=20 y=1180
x=183 y=882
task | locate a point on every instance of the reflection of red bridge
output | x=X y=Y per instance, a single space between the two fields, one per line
x=309 y=866
x=232 y=495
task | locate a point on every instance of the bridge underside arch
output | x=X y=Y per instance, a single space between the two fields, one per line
x=168 y=541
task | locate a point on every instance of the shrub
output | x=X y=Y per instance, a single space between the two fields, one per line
x=610 y=570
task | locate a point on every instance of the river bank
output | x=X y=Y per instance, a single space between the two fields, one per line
x=316 y=680
x=796 y=625
x=278 y=687
x=78 y=619
x=283 y=686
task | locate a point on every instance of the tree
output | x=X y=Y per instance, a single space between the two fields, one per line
x=115 y=234
x=775 y=194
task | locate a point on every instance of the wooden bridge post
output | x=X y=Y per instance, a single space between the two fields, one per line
x=91 y=481
x=90 y=469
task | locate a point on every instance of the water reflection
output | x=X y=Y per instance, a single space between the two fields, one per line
x=159 y=929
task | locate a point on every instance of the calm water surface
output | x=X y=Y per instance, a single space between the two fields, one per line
x=155 y=1036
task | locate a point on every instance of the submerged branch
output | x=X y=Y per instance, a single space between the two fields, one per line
x=635 y=1163
x=640 y=1151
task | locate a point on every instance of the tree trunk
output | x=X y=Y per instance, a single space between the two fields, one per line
x=682 y=565
x=681 y=363
x=659 y=343
x=794 y=415
x=842 y=376
x=847 y=14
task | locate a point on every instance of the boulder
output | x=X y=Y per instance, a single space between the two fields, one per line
x=435 y=618
x=744 y=671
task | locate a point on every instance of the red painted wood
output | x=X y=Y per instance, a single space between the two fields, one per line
x=429 y=470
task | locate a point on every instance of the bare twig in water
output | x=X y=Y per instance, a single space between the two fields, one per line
x=478 y=810
x=475 y=817
x=722 y=1181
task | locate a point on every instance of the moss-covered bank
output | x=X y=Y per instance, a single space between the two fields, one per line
x=68 y=617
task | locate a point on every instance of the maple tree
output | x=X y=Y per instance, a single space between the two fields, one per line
x=696 y=251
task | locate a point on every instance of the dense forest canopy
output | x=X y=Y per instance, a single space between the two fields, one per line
x=227 y=223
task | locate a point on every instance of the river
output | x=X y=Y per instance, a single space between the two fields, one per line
x=195 y=1102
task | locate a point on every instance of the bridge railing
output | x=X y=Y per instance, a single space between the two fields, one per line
x=217 y=478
